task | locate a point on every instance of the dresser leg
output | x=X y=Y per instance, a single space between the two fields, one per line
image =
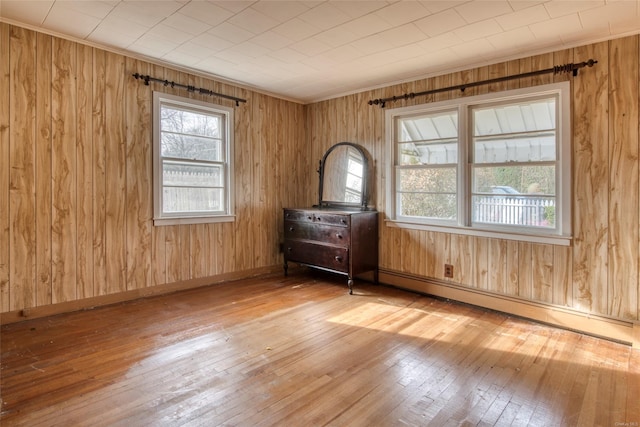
x=286 y=269
x=350 y=283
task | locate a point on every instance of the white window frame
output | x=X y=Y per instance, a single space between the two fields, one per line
x=165 y=218
x=561 y=235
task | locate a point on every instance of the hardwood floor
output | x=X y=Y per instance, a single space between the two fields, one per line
x=300 y=351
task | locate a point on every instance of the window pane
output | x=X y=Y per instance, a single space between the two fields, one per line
x=527 y=116
x=191 y=147
x=180 y=174
x=440 y=206
x=530 y=148
x=430 y=180
x=431 y=127
x=523 y=210
x=177 y=120
x=514 y=180
x=518 y=132
x=518 y=195
x=428 y=154
x=184 y=199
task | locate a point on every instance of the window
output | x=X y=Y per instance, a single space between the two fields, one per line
x=495 y=164
x=192 y=168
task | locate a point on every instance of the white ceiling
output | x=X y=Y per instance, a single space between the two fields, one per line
x=313 y=50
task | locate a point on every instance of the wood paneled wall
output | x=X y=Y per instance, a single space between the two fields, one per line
x=599 y=272
x=76 y=177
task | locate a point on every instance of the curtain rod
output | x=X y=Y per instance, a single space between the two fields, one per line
x=200 y=90
x=557 y=69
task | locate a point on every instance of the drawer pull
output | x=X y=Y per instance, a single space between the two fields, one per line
x=309 y=218
x=343 y=221
x=339 y=258
x=291 y=229
x=289 y=249
x=339 y=236
x=318 y=218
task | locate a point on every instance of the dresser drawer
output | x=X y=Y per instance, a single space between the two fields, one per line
x=332 y=257
x=317 y=217
x=322 y=233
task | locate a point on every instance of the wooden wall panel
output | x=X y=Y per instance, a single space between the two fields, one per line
x=63 y=172
x=623 y=178
x=99 y=174
x=139 y=184
x=22 y=147
x=84 y=171
x=43 y=170
x=5 y=165
x=590 y=186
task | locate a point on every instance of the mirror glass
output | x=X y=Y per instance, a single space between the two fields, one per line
x=343 y=176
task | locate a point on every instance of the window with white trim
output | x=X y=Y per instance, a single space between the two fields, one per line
x=495 y=164
x=192 y=161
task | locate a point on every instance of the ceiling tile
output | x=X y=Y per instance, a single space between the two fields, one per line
x=271 y=40
x=310 y=47
x=440 y=42
x=288 y=55
x=556 y=27
x=296 y=29
x=147 y=13
x=207 y=12
x=403 y=12
x=403 y=35
x=231 y=32
x=517 y=5
x=367 y=25
x=171 y=34
x=440 y=5
x=186 y=24
x=557 y=8
x=478 y=30
x=356 y=9
x=624 y=14
x=512 y=40
x=479 y=11
x=325 y=16
x=440 y=23
x=372 y=44
x=61 y=14
x=337 y=36
x=234 y=6
x=212 y=42
x=281 y=11
x=253 y=21
x=523 y=17
x=29 y=12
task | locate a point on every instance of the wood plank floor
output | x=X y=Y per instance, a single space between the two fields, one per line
x=300 y=351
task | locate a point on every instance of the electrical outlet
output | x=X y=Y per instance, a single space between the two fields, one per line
x=448 y=270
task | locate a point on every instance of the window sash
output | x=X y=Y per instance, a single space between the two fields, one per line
x=554 y=203
x=188 y=196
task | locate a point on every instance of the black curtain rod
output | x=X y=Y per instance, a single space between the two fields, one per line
x=200 y=90
x=555 y=70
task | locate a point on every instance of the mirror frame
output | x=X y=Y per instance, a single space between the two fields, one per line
x=365 y=179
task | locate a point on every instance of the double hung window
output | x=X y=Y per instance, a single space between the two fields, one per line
x=193 y=144
x=496 y=164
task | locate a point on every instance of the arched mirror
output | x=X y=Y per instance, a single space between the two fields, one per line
x=344 y=176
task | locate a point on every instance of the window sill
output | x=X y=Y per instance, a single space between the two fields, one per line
x=158 y=222
x=468 y=231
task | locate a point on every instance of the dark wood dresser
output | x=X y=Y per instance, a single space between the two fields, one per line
x=339 y=241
